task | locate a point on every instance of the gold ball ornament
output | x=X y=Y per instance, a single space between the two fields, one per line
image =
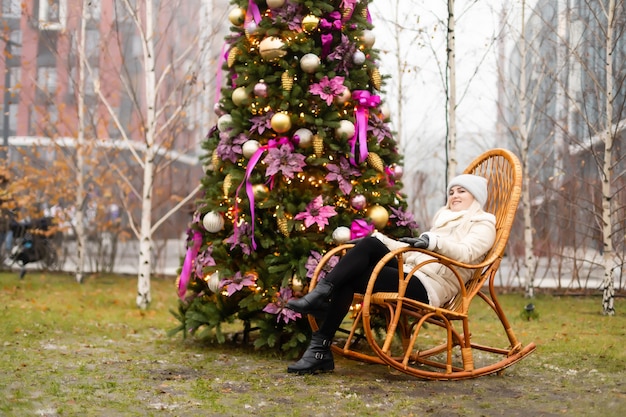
x=239 y=96
x=272 y=48
x=213 y=222
x=286 y=81
x=237 y=16
x=261 y=192
x=378 y=215
x=368 y=38
x=309 y=63
x=345 y=130
x=344 y=97
x=375 y=161
x=274 y=4
x=296 y=283
x=281 y=122
x=310 y=23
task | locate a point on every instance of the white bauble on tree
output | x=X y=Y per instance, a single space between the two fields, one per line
x=385 y=111
x=345 y=130
x=225 y=122
x=341 y=235
x=272 y=48
x=368 y=38
x=239 y=96
x=358 y=57
x=310 y=63
x=250 y=147
x=343 y=98
x=305 y=137
x=213 y=281
x=213 y=222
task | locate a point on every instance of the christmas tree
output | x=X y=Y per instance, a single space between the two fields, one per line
x=301 y=159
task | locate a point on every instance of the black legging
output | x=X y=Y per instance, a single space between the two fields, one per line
x=351 y=275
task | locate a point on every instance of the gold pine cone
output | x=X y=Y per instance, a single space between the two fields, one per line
x=346 y=12
x=232 y=55
x=286 y=81
x=375 y=162
x=228 y=182
x=282 y=226
x=318 y=145
x=215 y=160
x=376 y=78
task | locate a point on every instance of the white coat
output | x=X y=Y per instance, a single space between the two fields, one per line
x=465 y=236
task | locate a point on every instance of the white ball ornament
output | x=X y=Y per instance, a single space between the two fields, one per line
x=213 y=222
x=250 y=147
x=310 y=63
x=384 y=110
x=305 y=137
x=225 y=122
x=358 y=57
x=368 y=38
x=341 y=234
x=213 y=282
x=274 y=4
x=343 y=98
x=345 y=130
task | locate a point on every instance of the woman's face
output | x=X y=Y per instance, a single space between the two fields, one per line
x=459 y=198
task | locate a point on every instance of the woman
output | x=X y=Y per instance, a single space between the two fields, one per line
x=461 y=230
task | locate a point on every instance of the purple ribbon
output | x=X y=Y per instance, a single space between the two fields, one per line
x=191 y=254
x=254 y=159
x=253 y=10
x=364 y=101
x=360 y=228
x=333 y=22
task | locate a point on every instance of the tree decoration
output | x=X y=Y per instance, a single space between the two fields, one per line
x=286 y=81
x=237 y=16
x=272 y=48
x=310 y=63
x=310 y=23
x=213 y=222
x=281 y=122
x=378 y=215
x=297 y=120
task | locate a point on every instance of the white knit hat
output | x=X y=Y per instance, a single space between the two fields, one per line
x=475 y=184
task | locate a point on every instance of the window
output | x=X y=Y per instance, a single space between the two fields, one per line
x=47 y=79
x=92 y=11
x=15 y=37
x=11 y=8
x=52 y=14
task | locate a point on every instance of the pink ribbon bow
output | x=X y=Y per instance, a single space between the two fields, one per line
x=360 y=228
x=253 y=12
x=364 y=101
x=191 y=254
x=254 y=159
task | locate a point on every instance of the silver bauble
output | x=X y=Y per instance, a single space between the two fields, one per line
x=225 y=122
x=213 y=281
x=310 y=63
x=250 y=147
x=305 y=137
x=345 y=130
x=358 y=57
x=341 y=235
x=213 y=222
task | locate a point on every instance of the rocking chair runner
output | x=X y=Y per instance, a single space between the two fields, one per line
x=436 y=342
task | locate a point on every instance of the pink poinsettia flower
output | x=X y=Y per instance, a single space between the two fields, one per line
x=328 y=89
x=316 y=213
x=237 y=282
x=285 y=161
x=278 y=307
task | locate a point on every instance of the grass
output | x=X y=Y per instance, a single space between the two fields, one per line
x=73 y=349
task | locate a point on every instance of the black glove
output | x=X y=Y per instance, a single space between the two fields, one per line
x=417 y=242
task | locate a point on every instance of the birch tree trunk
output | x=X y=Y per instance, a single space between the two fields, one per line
x=530 y=261
x=608 y=285
x=81 y=198
x=145 y=232
x=451 y=94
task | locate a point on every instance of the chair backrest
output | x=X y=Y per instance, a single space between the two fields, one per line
x=504 y=181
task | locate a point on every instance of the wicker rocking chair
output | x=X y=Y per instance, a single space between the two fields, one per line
x=436 y=342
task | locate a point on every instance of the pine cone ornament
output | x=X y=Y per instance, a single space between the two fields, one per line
x=228 y=182
x=375 y=162
x=318 y=145
x=287 y=81
x=232 y=55
x=282 y=225
x=376 y=78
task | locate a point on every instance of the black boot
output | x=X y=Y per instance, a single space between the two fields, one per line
x=315 y=302
x=317 y=357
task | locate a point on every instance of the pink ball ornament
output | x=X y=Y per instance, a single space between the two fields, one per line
x=217 y=108
x=398 y=171
x=358 y=202
x=260 y=89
